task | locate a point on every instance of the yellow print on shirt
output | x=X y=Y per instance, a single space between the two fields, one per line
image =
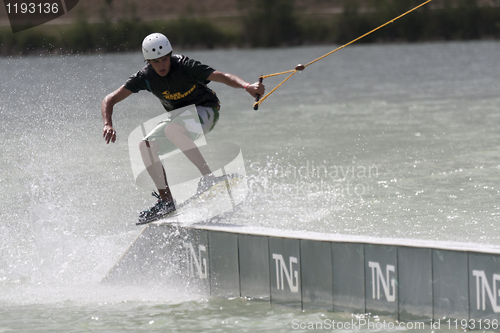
x=177 y=95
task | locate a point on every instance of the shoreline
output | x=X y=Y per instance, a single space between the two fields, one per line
x=269 y=25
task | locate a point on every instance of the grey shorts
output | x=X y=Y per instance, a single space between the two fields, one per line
x=196 y=124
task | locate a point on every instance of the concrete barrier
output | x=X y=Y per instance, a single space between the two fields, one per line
x=409 y=280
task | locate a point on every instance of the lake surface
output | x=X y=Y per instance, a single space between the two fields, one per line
x=380 y=140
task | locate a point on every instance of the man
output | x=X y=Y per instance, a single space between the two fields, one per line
x=176 y=81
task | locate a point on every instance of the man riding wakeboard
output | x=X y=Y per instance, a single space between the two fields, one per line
x=177 y=81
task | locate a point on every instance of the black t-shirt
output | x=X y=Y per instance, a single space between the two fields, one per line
x=185 y=84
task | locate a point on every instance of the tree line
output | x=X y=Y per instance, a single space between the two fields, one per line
x=267 y=23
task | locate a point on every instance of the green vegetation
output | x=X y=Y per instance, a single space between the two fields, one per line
x=439 y=20
x=266 y=23
x=105 y=36
x=269 y=23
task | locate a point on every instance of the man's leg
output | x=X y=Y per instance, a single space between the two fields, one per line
x=177 y=135
x=152 y=162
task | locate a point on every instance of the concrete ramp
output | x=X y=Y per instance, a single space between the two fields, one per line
x=405 y=279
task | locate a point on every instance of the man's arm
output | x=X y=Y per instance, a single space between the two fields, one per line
x=109 y=133
x=231 y=80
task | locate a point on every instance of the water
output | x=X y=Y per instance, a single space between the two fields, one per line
x=379 y=140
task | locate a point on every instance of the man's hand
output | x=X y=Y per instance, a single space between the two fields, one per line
x=109 y=134
x=255 y=89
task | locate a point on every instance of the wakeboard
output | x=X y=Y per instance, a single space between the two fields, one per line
x=225 y=184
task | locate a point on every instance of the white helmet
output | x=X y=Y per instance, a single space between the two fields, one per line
x=155 y=46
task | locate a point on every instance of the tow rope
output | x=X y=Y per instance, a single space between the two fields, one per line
x=301 y=67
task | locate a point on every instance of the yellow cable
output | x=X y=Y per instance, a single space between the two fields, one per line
x=301 y=67
x=279 y=85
